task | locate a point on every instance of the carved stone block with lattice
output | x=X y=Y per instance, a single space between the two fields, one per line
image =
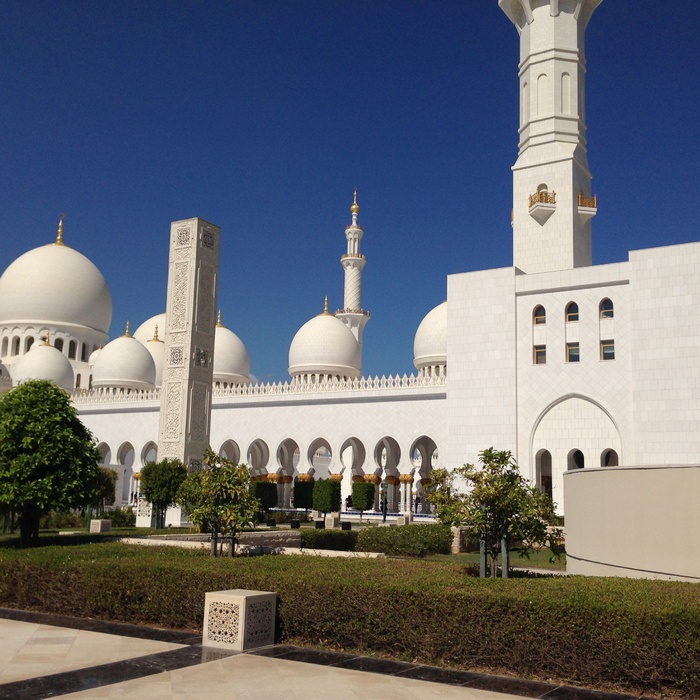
x=238 y=619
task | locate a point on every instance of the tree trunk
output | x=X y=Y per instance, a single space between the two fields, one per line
x=29 y=526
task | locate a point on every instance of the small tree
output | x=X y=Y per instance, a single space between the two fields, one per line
x=266 y=494
x=304 y=494
x=160 y=483
x=106 y=495
x=48 y=458
x=326 y=496
x=219 y=497
x=500 y=506
x=362 y=496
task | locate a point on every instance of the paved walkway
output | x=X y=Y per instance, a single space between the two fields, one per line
x=44 y=656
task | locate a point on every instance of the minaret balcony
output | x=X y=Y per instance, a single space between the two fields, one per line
x=542 y=205
x=587 y=207
x=345 y=256
x=358 y=312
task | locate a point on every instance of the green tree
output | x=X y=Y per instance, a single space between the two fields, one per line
x=326 y=496
x=304 y=494
x=219 y=497
x=48 y=458
x=160 y=483
x=362 y=496
x=499 y=504
x=106 y=494
x=266 y=494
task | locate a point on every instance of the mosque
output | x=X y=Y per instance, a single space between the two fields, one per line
x=570 y=366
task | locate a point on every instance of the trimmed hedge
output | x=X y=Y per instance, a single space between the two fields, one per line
x=406 y=540
x=304 y=494
x=631 y=634
x=338 y=540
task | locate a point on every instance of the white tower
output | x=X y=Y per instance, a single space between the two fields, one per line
x=352 y=313
x=552 y=202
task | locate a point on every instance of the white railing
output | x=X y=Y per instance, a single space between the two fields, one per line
x=296 y=386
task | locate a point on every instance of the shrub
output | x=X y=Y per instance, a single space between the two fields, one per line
x=122 y=517
x=362 y=496
x=304 y=494
x=326 y=496
x=286 y=516
x=61 y=520
x=642 y=636
x=266 y=493
x=406 y=540
x=338 y=540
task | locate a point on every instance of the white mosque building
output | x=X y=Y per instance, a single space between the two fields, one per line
x=572 y=367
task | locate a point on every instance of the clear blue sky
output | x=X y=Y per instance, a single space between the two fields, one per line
x=261 y=116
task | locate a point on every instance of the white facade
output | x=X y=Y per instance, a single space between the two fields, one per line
x=566 y=364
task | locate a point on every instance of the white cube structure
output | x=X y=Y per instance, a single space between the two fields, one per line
x=100 y=525
x=238 y=619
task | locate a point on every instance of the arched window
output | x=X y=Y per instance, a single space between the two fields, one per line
x=71 y=349
x=575 y=460
x=84 y=353
x=609 y=458
x=539 y=316
x=571 y=312
x=15 y=345
x=28 y=343
x=5 y=342
x=606 y=309
x=77 y=381
x=58 y=344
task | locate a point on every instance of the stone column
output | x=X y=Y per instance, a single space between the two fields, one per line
x=185 y=405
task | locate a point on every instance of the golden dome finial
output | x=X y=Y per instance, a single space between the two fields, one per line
x=355 y=207
x=59 y=235
x=219 y=324
x=47 y=338
x=325 y=307
x=155 y=333
x=127 y=332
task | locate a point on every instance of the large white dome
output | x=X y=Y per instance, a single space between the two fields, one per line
x=430 y=342
x=55 y=284
x=44 y=362
x=231 y=361
x=324 y=346
x=124 y=364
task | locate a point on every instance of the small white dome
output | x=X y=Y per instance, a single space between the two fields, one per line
x=124 y=364
x=231 y=361
x=44 y=362
x=430 y=343
x=324 y=346
x=57 y=285
x=147 y=329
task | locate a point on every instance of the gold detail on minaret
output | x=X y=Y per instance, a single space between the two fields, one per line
x=59 y=235
x=325 y=308
x=127 y=332
x=219 y=324
x=355 y=207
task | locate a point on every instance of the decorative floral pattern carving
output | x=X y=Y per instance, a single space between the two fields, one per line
x=182 y=237
x=201 y=358
x=172 y=410
x=208 y=239
x=223 y=622
x=178 y=313
x=177 y=356
x=259 y=623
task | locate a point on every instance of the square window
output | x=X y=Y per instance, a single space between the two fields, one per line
x=572 y=352
x=607 y=349
x=539 y=354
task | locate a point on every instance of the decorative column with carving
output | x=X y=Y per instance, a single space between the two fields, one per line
x=185 y=408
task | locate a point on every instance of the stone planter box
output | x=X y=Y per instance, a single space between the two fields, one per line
x=100 y=525
x=238 y=619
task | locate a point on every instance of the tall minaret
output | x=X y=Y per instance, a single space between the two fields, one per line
x=352 y=314
x=552 y=202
